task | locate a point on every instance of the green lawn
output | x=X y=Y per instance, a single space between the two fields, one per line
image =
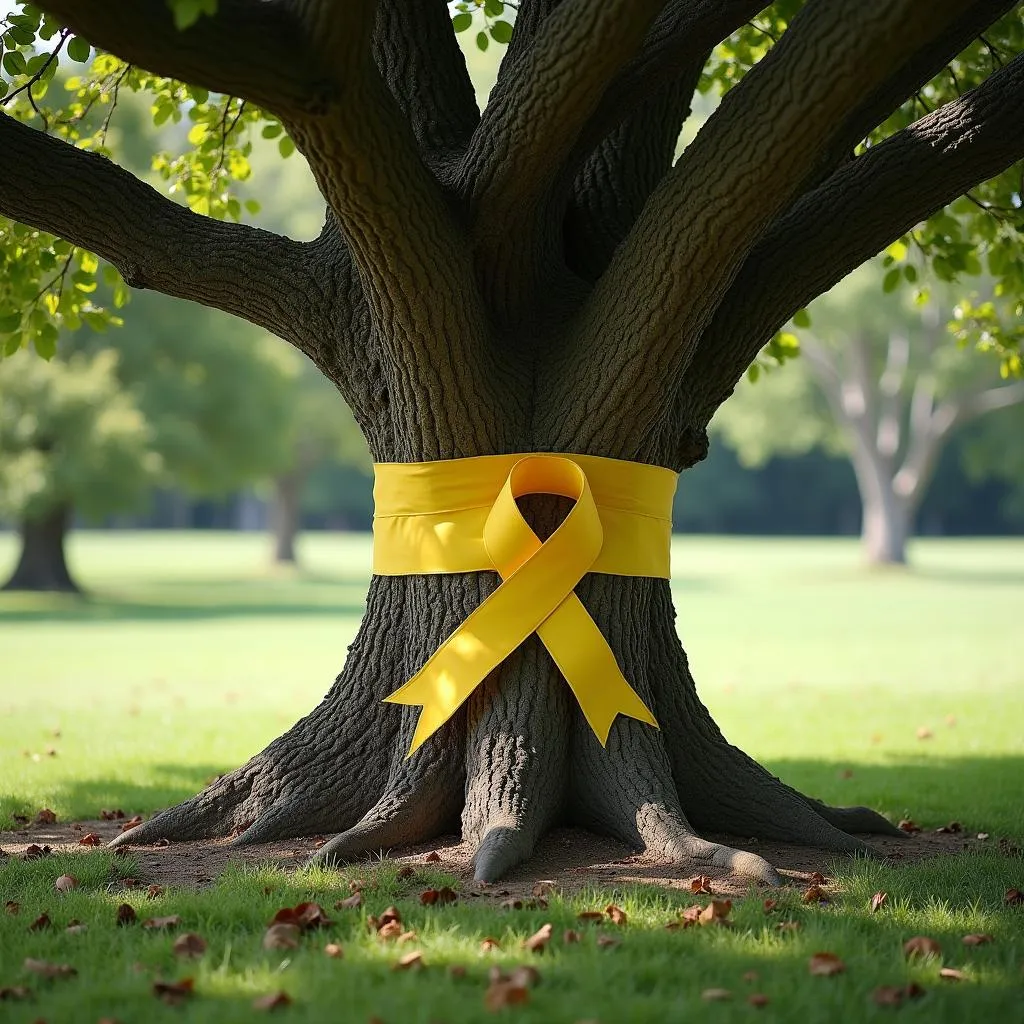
x=189 y=654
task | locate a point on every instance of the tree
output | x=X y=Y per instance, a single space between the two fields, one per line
x=536 y=277
x=880 y=380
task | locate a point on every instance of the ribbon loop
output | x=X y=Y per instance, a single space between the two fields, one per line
x=536 y=596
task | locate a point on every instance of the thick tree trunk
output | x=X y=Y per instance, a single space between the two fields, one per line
x=41 y=564
x=286 y=516
x=885 y=528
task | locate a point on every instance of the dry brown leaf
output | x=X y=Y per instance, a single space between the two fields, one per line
x=921 y=946
x=590 y=915
x=350 y=902
x=390 y=930
x=539 y=940
x=334 y=949
x=41 y=922
x=750 y=977
x=758 y=999
x=909 y=826
x=108 y=815
x=952 y=974
x=131 y=823
x=715 y=912
x=788 y=926
x=978 y=939
x=617 y=914
x=12 y=907
x=45 y=969
x=162 y=842
x=952 y=829
x=512 y=904
x=815 y=894
x=716 y=995
x=432 y=858
x=503 y=993
x=410 y=961
x=189 y=944
x=877 y=900
x=155 y=890
x=913 y=990
x=75 y=927
x=90 y=839
x=770 y=905
x=273 y=1001
x=488 y=945
x=409 y=936
x=817 y=878
x=1014 y=897
x=36 y=852
x=606 y=941
x=282 y=936
x=125 y=914
x=924 y=733
x=691 y=914
x=888 y=995
x=158 y=923
x=702 y=883
x=388 y=915
x=825 y=965
x=46 y=817
x=525 y=975
x=457 y=971
x=431 y=896
x=569 y=936
x=15 y=992
x=173 y=992
x=544 y=887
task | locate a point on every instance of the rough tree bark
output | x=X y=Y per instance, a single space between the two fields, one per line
x=41 y=562
x=536 y=278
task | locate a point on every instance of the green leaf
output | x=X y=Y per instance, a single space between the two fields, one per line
x=46 y=341
x=494 y=8
x=753 y=372
x=12 y=344
x=801 y=318
x=14 y=62
x=482 y=40
x=286 y=147
x=462 y=21
x=892 y=279
x=271 y=131
x=79 y=49
x=9 y=323
x=501 y=31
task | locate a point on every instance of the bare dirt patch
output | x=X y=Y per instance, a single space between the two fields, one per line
x=570 y=858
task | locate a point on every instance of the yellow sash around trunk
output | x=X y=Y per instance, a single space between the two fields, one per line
x=461 y=516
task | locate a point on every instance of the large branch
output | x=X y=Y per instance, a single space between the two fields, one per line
x=528 y=129
x=852 y=216
x=254 y=49
x=154 y=243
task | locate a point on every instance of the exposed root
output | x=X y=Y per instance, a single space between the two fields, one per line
x=855 y=819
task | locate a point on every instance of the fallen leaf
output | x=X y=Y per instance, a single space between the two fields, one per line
x=758 y=999
x=157 y=923
x=432 y=858
x=36 y=852
x=877 y=900
x=282 y=936
x=590 y=915
x=131 y=823
x=770 y=905
x=715 y=912
x=162 y=842
x=41 y=922
x=606 y=941
x=913 y=990
x=431 y=896
x=1014 y=897
x=274 y=1001
x=537 y=942
x=924 y=733
x=569 y=936
x=390 y=930
x=405 y=871
x=750 y=977
x=65 y=883
x=409 y=961
x=155 y=890
x=173 y=992
x=908 y=826
x=825 y=965
x=333 y=949
x=189 y=944
x=15 y=992
x=700 y=884
x=715 y=995
x=977 y=939
x=45 y=969
x=389 y=914
x=311 y=915
x=952 y=974
x=488 y=945
x=90 y=839
x=953 y=828
x=513 y=904
x=12 y=907
x=111 y=815
x=350 y=902
x=406 y=937
x=457 y=971
x=788 y=926
x=617 y=915
x=921 y=946
x=526 y=975
x=888 y=995
x=817 y=878
x=691 y=915
x=544 y=887
x=46 y=817
x=20 y=819
x=503 y=993
x=846 y=773
x=815 y=894
x=75 y=927
x=983 y=836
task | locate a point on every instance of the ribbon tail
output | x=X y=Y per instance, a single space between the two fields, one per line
x=439 y=692
x=584 y=658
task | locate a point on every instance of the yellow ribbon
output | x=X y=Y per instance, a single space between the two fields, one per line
x=461 y=515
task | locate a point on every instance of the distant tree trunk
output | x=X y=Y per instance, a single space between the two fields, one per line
x=42 y=565
x=286 y=515
x=885 y=528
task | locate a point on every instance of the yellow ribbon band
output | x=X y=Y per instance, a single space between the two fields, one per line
x=461 y=516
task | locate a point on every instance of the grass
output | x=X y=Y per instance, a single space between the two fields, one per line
x=190 y=654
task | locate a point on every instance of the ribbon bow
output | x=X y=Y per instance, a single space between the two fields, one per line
x=535 y=596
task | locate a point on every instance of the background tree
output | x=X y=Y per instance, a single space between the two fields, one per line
x=541 y=276
x=880 y=379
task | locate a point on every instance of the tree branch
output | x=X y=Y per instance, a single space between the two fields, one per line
x=528 y=129
x=154 y=243
x=255 y=49
x=862 y=208
x=703 y=219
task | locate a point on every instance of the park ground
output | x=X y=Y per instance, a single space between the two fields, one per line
x=901 y=689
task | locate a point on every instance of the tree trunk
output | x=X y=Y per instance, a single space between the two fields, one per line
x=41 y=564
x=885 y=528
x=286 y=516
